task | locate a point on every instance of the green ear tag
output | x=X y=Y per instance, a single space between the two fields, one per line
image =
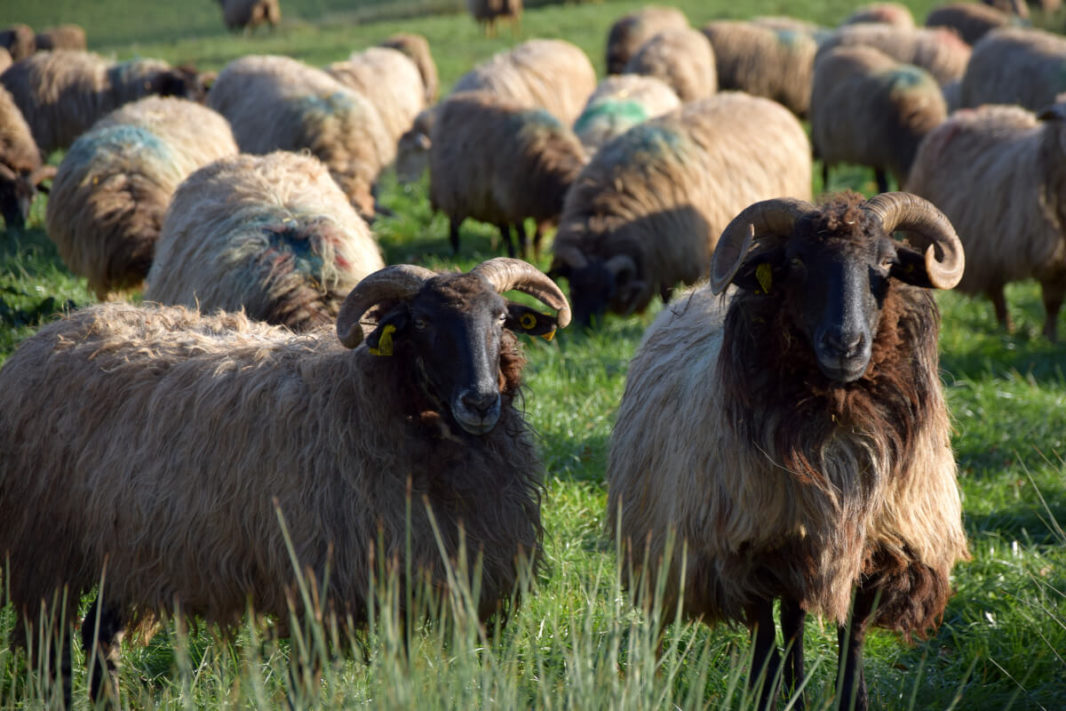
x=527 y=321
x=764 y=274
x=384 y=342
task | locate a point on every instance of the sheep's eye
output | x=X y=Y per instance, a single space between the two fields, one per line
x=888 y=262
x=797 y=263
x=502 y=318
x=420 y=323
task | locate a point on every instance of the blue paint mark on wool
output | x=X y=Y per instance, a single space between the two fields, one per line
x=121 y=139
x=907 y=77
x=339 y=102
x=289 y=248
x=653 y=140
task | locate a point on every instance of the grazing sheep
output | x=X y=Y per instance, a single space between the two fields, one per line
x=869 y=109
x=1015 y=65
x=192 y=434
x=889 y=13
x=62 y=93
x=775 y=63
x=486 y=12
x=793 y=441
x=272 y=235
x=67 y=36
x=19 y=40
x=546 y=73
x=249 y=14
x=997 y=173
x=21 y=169
x=938 y=51
x=645 y=213
x=499 y=162
x=682 y=58
x=412 y=150
x=389 y=80
x=113 y=187
x=630 y=31
x=416 y=47
x=971 y=21
x=620 y=102
x=277 y=103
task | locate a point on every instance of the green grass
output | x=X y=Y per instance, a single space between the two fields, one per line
x=577 y=642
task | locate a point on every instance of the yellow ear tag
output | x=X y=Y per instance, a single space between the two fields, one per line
x=548 y=336
x=384 y=342
x=527 y=321
x=764 y=273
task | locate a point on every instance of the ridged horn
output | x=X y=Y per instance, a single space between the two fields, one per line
x=762 y=219
x=398 y=282
x=505 y=274
x=918 y=216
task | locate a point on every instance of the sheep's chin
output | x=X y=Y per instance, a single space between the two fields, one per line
x=473 y=424
x=844 y=371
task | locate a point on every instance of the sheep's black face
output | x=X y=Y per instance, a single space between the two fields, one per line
x=16 y=196
x=599 y=287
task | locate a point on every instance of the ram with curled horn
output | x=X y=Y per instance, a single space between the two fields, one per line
x=402 y=452
x=787 y=425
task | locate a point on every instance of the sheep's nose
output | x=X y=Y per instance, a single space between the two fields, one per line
x=841 y=343
x=481 y=403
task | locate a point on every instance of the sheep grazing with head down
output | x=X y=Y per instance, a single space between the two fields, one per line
x=619 y=103
x=682 y=58
x=416 y=48
x=390 y=80
x=793 y=441
x=113 y=187
x=1015 y=65
x=21 y=169
x=272 y=235
x=630 y=31
x=869 y=109
x=277 y=103
x=495 y=161
x=403 y=451
x=64 y=92
x=645 y=213
x=999 y=174
x=487 y=12
x=249 y=14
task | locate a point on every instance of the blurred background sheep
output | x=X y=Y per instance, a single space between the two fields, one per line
x=62 y=93
x=682 y=58
x=1015 y=65
x=277 y=103
x=416 y=47
x=68 y=36
x=390 y=80
x=764 y=61
x=487 y=12
x=630 y=31
x=271 y=235
x=938 y=51
x=249 y=14
x=888 y=13
x=19 y=40
x=869 y=109
x=21 y=168
x=971 y=21
x=113 y=187
x=620 y=102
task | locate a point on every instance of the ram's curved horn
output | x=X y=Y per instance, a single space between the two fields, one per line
x=919 y=217
x=398 y=282
x=505 y=274
x=768 y=218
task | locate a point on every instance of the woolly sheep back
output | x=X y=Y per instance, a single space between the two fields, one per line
x=108 y=199
x=390 y=80
x=683 y=58
x=971 y=21
x=1015 y=65
x=277 y=103
x=19 y=40
x=68 y=36
x=416 y=47
x=938 y=51
x=630 y=31
x=272 y=235
x=17 y=149
x=889 y=13
x=620 y=102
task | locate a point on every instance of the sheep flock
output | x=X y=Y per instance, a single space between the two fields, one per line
x=316 y=237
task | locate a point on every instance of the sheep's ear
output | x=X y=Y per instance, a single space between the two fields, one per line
x=523 y=319
x=380 y=342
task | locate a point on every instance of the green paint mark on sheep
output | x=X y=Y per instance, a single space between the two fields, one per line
x=339 y=102
x=122 y=139
x=617 y=112
x=652 y=140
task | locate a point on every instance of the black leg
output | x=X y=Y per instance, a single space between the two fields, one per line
x=508 y=238
x=101 y=638
x=825 y=177
x=766 y=659
x=999 y=303
x=882 y=180
x=792 y=618
x=1053 y=292
x=851 y=682
x=453 y=234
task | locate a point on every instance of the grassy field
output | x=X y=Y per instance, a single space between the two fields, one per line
x=576 y=642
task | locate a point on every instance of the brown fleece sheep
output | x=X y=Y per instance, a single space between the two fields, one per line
x=277 y=103
x=390 y=80
x=64 y=92
x=272 y=235
x=888 y=13
x=19 y=40
x=682 y=58
x=775 y=63
x=630 y=31
x=938 y=51
x=869 y=109
x=114 y=185
x=416 y=47
x=193 y=433
x=496 y=161
x=486 y=12
x=67 y=36
x=1015 y=65
x=21 y=169
x=793 y=441
x=547 y=73
x=971 y=21
x=249 y=14
x=646 y=211
x=999 y=174
x=620 y=102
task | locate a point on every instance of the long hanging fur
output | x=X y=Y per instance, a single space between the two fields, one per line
x=681 y=57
